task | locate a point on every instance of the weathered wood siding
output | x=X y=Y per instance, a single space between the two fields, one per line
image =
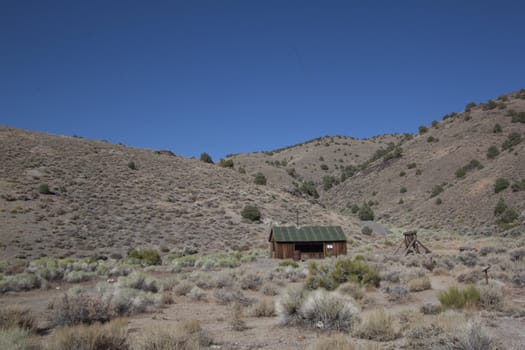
x=286 y=250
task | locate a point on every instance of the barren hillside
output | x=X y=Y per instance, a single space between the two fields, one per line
x=110 y=198
x=446 y=176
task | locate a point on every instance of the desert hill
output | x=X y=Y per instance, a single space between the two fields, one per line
x=323 y=158
x=70 y=196
x=446 y=175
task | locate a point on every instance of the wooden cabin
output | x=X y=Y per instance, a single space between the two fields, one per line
x=306 y=242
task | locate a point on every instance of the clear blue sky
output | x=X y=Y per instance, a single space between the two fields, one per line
x=239 y=76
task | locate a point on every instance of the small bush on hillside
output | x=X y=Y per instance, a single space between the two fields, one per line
x=490 y=105
x=329 y=182
x=354 y=209
x=138 y=280
x=431 y=139
x=512 y=140
x=491 y=296
x=518 y=186
x=501 y=184
x=206 y=158
x=436 y=190
x=289 y=305
x=290 y=263
x=518 y=118
x=411 y=166
x=226 y=163
x=44 y=189
x=422 y=129
x=329 y=276
x=419 y=284
x=366 y=213
x=403 y=189
x=132 y=165
x=259 y=179
x=457 y=298
x=147 y=256
x=508 y=216
x=251 y=213
x=469 y=106
x=366 y=230
x=500 y=207
x=435 y=124
x=308 y=187
x=324 y=167
x=497 y=129
x=472 y=165
x=492 y=152
x=263 y=308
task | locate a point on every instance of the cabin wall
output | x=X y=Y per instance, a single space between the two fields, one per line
x=286 y=250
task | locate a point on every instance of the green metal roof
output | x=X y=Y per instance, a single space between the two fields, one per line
x=308 y=234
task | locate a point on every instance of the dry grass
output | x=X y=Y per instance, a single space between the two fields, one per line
x=17 y=316
x=109 y=336
x=187 y=335
x=263 y=308
x=332 y=342
x=75 y=309
x=419 y=284
x=377 y=325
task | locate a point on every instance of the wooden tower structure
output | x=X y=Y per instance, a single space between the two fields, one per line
x=412 y=244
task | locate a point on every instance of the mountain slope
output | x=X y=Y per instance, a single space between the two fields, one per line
x=111 y=198
x=439 y=159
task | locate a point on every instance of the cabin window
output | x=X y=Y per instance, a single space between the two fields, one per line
x=310 y=248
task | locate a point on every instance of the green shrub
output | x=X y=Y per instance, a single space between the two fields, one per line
x=457 y=298
x=329 y=182
x=146 y=256
x=512 y=140
x=436 y=190
x=422 y=129
x=206 y=158
x=492 y=152
x=431 y=139
x=469 y=106
x=419 y=171
x=44 y=189
x=228 y=163
x=251 y=212
x=497 y=129
x=403 y=189
x=500 y=207
x=366 y=230
x=290 y=263
x=324 y=167
x=330 y=276
x=132 y=165
x=402 y=173
x=308 y=187
x=354 y=209
x=501 y=184
x=518 y=118
x=472 y=165
x=518 y=186
x=366 y=213
x=435 y=124
x=490 y=105
x=508 y=216
x=259 y=179
x=439 y=201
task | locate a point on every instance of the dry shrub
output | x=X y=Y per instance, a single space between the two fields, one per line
x=430 y=309
x=353 y=289
x=109 y=336
x=289 y=305
x=491 y=296
x=419 y=284
x=81 y=308
x=15 y=338
x=472 y=337
x=333 y=342
x=227 y=296
x=237 y=323
x=197 y=294
x=397 y=293
x=329 y=310
x=183 y=288
x=187 y=335
x=377 y=325
x=17 y=316
x=263 y=308
x=138 y=280
x=166 y=298
x=269 y=289
x=251 y=281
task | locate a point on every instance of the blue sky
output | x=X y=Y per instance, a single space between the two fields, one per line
x=239 y=76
